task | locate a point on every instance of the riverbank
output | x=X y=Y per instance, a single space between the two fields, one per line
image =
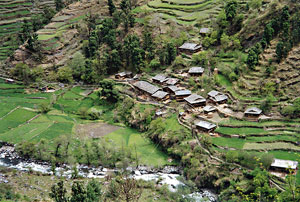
x=168 y=175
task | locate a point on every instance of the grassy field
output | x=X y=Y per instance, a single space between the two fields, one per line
x=147 y=152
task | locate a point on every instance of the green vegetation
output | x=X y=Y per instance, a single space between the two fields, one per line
x=147 y=152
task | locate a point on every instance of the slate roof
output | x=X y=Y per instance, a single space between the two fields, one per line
x=196 y=70
x=279 y=163
x=220 y=98
x=206 y=125
x=171 y=81
x=209 y=108
x=190 y=46
x=253 y=110
x=160 y=94
x=173 y=88
x=217 y=96
x=195 y=99
x=146 y=87
x=183 y=92
x=160 y=77
x=213 y=93
x=204 y=30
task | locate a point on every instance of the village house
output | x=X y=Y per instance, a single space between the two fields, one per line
x=204 y=126
x=181 y=94
x=171 y=81
x=195 y=100
x=204 y=31
x=123 y=75
x=159 y=78
x=146 y=87
x=284 y=165
x=161 y=95
x=208 y=109
x=253 y=112
x=196 y=71
x=190 y=48
x=217 y=97
x=171 y=89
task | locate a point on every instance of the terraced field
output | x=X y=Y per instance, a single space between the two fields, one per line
x=185 y=12
x=60 y=38
x=279 y=138
x=12 y=14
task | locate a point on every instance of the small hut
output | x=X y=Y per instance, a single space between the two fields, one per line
x=123 y=75
x=161 y=95
x=204 y=126
x=204 y=31
x=146 y=87
x=195 y=100
x=171 y=81
x=253 y=112
x=181 y=94
x=10 y=81
x=159 y=78
x=217 y=97
x=171 y=89
x=190 y=48
x=209 y=109
x=284 y=165
x=196 y=71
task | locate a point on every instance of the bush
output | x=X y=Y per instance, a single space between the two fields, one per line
x=154 y=64
x=233 y=77
x=64 y=74
x=44 y=107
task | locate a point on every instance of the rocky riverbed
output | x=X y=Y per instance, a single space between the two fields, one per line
x=168 y=175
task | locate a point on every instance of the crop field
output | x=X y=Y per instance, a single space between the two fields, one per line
x=20 y=120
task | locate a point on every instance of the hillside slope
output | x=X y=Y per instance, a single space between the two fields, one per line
x=12 y=14
x=60 y=39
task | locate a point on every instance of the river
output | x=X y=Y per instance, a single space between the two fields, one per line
x=168 y=175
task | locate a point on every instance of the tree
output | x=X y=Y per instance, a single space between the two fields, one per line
x=59 y=192
x=252 y=59
x=111 y=7
x=22 y=72
x=128 y=189
x=171 y=53
x=64 y=74
x=107 y=91
x=268 y=33
x=59 y=5
x=93 y=191
x=77 y=65
x=133 y=53
x=114 y=62
x=266 y=105
x=78 y=192
x=231 y=9
x=25 y=31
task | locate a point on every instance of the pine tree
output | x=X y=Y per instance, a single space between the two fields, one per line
x=111 y=7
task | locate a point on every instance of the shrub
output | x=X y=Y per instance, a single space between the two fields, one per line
x=44 y=107
x=154 y=64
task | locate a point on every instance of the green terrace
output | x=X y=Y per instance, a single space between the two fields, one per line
x=183 y=12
